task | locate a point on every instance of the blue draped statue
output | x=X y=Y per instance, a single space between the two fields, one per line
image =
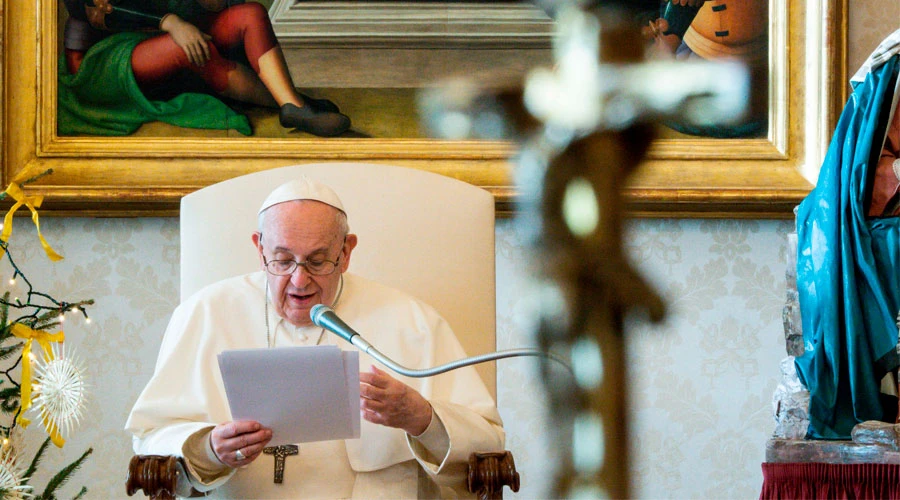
x=847 y=273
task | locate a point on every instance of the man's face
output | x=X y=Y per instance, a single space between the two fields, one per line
x=303 y=231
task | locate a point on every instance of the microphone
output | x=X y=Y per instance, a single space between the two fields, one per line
x=325 y=317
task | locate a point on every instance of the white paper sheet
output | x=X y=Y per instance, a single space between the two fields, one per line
x=303 y=394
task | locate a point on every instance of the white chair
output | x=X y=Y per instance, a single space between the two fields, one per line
x=424 y=233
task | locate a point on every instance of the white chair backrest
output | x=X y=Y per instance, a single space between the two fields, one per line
x=429 y=235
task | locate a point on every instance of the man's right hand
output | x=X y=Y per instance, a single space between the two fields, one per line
x=248 y=436
x=192 y=41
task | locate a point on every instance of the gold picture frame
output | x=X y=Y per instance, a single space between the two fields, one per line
x=128 y=176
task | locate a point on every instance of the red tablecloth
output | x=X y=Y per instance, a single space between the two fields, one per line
x=827 y=481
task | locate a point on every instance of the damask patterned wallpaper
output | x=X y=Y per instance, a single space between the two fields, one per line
x=701 y=383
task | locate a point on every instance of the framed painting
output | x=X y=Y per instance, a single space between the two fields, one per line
x=764 y=176
x=398 y=51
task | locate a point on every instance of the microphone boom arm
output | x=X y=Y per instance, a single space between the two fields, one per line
x=326 y=318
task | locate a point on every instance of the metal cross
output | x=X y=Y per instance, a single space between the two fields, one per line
x=280 y=453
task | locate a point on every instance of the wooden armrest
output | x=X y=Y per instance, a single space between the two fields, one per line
x=158 y=475
x=490 y=472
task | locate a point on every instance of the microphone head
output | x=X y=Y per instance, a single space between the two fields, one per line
x=316 y=312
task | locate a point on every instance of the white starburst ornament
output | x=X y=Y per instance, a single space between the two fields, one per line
x=60 y=392
x=11 y=476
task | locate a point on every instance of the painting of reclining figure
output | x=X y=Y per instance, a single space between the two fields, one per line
x=130 y=62
x=214 y=68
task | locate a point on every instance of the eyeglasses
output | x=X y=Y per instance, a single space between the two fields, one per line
x=313 y=267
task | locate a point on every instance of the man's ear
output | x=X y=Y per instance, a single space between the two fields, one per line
x=257 y=242
x=349 y=245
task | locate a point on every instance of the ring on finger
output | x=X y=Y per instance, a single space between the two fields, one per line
x=239 y=456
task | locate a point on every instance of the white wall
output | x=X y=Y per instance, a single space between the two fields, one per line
x=701 y=383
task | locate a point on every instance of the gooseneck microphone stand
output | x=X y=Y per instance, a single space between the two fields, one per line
x=325 y=317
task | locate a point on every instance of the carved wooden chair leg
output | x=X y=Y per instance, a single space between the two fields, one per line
x=490 y=472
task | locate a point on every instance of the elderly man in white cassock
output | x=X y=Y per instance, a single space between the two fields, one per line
x=416 y=434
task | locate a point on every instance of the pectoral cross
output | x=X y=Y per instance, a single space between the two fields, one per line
x=280 y=453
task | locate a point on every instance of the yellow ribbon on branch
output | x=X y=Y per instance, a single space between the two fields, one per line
x=53 y=431
x=32 y=202
x=44 y=339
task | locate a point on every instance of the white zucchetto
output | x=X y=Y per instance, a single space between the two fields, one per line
x=303 y=188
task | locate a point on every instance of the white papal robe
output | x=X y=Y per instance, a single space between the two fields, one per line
x=185 y=395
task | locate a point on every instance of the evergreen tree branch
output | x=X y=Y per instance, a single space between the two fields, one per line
x=4 y=311
x=36 y=460
x=38 y=311
x=8 y=351
x=64 y=475
x=9 y=399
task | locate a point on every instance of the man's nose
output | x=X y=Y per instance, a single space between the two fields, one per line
x=300 y=277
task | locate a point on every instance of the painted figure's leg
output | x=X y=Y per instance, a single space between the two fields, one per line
x=248 y=25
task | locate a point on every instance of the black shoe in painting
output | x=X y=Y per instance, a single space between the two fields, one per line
x=306 y=119
x=320 y=104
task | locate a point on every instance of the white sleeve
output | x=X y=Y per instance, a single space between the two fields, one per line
x=185 y=393
x=466 y=411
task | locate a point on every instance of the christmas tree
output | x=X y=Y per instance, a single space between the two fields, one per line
x=37 y=379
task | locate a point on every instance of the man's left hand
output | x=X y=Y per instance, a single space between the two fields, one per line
x=387 y=401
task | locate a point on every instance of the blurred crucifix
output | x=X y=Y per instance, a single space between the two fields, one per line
x=584 y=127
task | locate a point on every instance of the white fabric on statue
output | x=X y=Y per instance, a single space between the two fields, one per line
x=888 y=47
x=186 y=393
